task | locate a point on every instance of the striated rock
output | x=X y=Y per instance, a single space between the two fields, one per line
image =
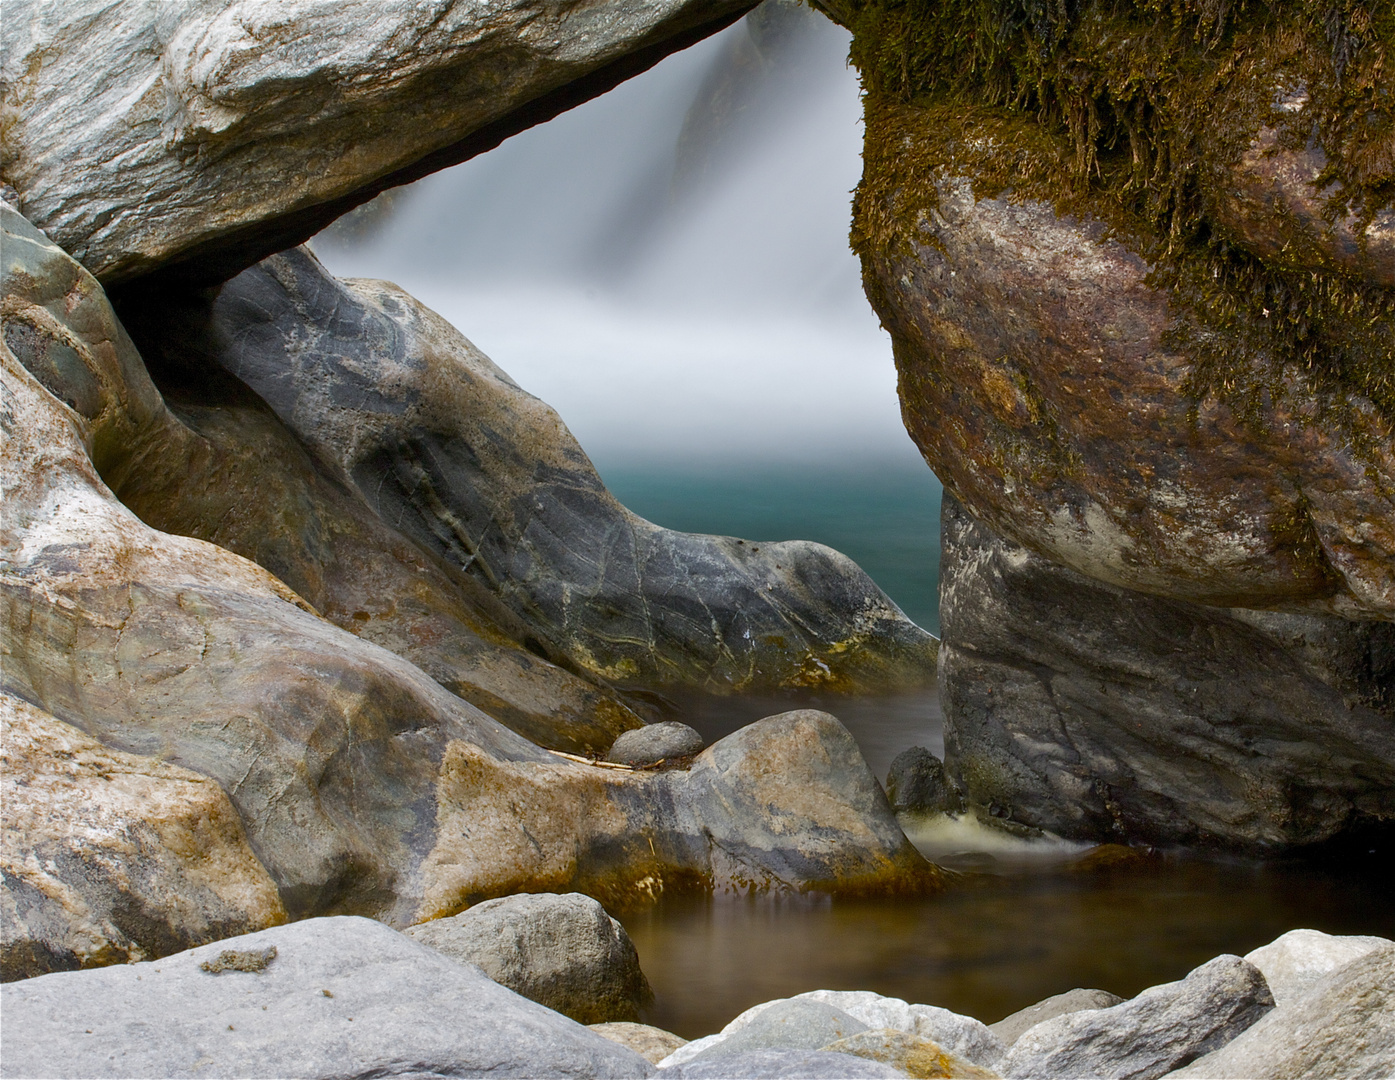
x=917 y=783
x=912 y=1055
x=1100 y=714
x=782 y=1065
x=111 y=858
x=227 y=471
x=1009 y=1028
x=651 y=1043
x=792 y=1024
x=1160 y=1030
x=450 y=451
x=338 y=997
x=1342 y=1028
x=1297 y=961
x=224 y=131
x=654 y=743
x=564 y=952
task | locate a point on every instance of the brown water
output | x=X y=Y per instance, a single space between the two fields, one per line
x=1024 y=922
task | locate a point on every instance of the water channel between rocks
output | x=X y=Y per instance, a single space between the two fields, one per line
x=1026 y=921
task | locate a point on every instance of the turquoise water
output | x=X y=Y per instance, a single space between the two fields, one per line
x=884 y=515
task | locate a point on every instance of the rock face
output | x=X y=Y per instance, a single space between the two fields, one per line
x=1162 y=1029
x=225 y=131
x=1009 y=1028
x=564 y=952
x=326 y=998
x=917 y=783
x=109 y=858
x=1294 y=963
x=1342 y=1028
x=485 y=477
x=654 y=743
x=1097 y=713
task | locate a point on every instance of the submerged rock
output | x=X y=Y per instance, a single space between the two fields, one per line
x=1341 y=1028
x=223 y=132
x=484 y=476
x=337 y=997
x=1160 y=1030
x=1009 y=1028
x=109 y=858
x=564 y=952
x=654 y=743
x=1101 y=714
x=651 y=1043
x=1294 y=963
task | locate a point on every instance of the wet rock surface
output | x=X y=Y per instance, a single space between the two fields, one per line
x=221 y=133
x=1098 y=713
x=107 y=857
x=562 y=951
x=341 y=997
x=654 y=743
x=917 y=783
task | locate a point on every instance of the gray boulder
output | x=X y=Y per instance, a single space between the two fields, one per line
x=564 y=952
x=1009 y=1028
x=787 y=1025
x=222 y=132
x=1295 y=962
x=654 y=743
x=1342 y=1028
x=1099 y=714
x=917 y=783
x=334 y=997
x=1160 y=1030
x=783 y=1065
x=485 y=477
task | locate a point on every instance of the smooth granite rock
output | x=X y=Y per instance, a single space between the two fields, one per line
x=782 y=1065
x=786 y=1025
x=1342 y=1028
x=917 y=783
x=912 y=1055
x=333 y=997
x=450 y=451
x=1106 y=715
x=1160 y=1030
x=651 y=1043
x=1009 y=1028
x=111 y=858
x=654 y=743
x=563 y=951
x=1295 y=962
x=224 y=130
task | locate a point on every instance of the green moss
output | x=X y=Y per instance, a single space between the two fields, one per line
x=1132 y=112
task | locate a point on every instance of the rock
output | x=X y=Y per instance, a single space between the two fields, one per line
x=1105 y=715
x=1160 y=1030
x=1136 y=406
x=227 y=471
x=341 y=997
x=113 y=858
x=564 y=952
x=654 y=743
x=1342 y=1028
x=651 y=1043
x=211 y=143
x=962 y=1036
x=912 y=1055
x=1293 y=963
x=917 y=783
x=1010 y=1027
x=485 y=477
x=782 y=1065
x=791 y=1024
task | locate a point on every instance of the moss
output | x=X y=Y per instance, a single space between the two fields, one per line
x=1132 y=112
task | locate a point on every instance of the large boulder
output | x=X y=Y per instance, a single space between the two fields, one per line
x=444 y=445
x=1297 y=961
x=224 y=130
x=1160 y=1030
x=331 y=997
x=564 y=952
x=1102 y=714
x=1342 y=1028
x=793 y=1024
x=108 y=857
x=1140 y=330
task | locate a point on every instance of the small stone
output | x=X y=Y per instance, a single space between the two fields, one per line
x=917 y=784
x=654 y=743
x=250 y=960
x=1010 y=1027
x=651 y=1043
x=914 y=1056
